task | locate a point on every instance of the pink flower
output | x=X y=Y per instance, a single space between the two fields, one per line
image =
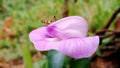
x=68 y=36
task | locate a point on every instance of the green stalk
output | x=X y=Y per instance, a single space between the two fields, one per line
x=27 y=57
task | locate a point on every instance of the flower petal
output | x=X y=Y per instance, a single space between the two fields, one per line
x=72 y=26
x=79 y=47
x=38 y=34
x=41 y=39
x=76 y=48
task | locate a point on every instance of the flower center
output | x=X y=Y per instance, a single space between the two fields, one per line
x=52 y=34
x=52 y=39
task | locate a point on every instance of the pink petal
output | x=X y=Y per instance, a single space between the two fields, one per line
x=76 y=48
x=72 y=26
x=39 y=38
x=38 y=34
x=79 y=47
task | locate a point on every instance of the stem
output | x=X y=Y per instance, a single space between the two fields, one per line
x=102 y=32
x=66 y=8
x=109 y=21
x=107 y=30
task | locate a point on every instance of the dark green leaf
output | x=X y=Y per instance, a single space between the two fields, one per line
x=55 y=59
x=80 y=63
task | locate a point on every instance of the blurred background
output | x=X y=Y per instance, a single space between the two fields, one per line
x=19 y=17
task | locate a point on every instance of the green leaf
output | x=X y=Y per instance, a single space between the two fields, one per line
x=55 y=59
x=27 y=57
x=98 y=52
x=41 y=63
x=80 y=63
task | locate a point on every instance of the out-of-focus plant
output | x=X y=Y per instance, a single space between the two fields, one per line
x=27 y=57
x=27 y=15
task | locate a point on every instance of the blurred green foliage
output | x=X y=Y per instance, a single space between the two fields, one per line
x=27 y=15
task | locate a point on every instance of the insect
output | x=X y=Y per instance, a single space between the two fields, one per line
x=47 y=22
